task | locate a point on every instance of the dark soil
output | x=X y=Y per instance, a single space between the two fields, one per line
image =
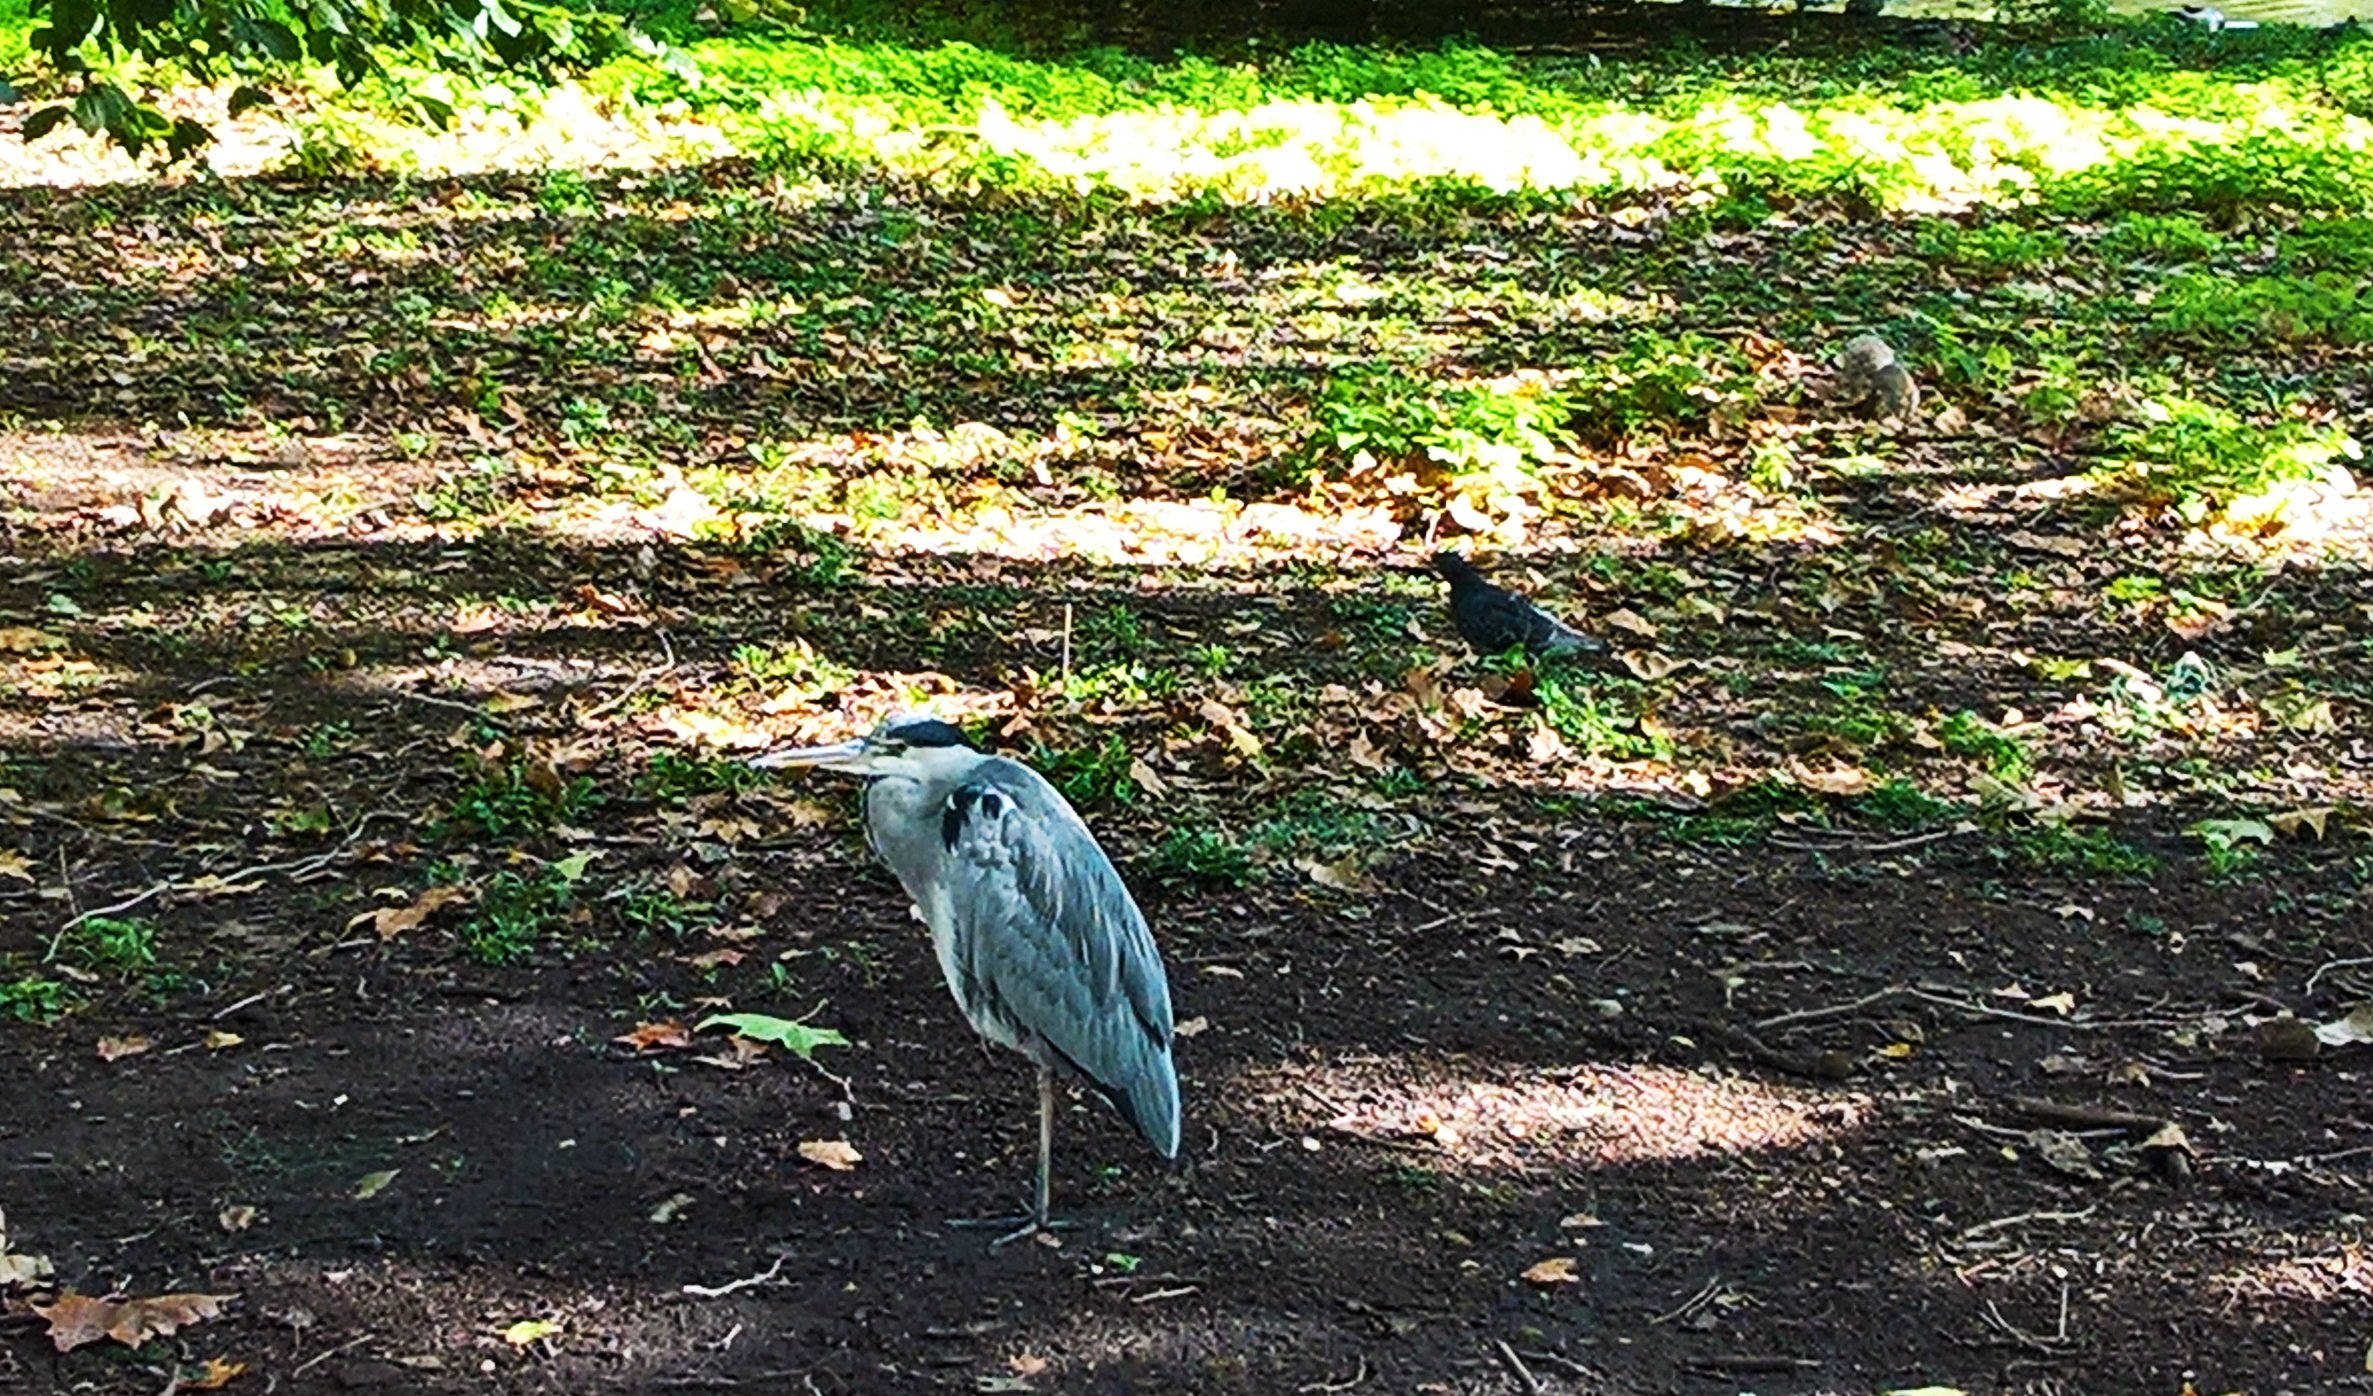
x=1536 y=1040
x=1651 y=1065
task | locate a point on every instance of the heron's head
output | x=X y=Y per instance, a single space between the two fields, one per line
x=907 y=745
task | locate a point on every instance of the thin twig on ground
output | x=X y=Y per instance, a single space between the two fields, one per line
x=2328 y=966
x=294 y=868
x=2033 y=1342
x=2005 y=1223
x=1328 y=1388
x=2086 y=1116
x=640 y=681
x=1835 y=1010
x=766 y=1276
x=255 y=998
x=1857 y=846
x=1752 y=1362
x=326 y=1354
x=1524 y=1374
x=1704 y=1296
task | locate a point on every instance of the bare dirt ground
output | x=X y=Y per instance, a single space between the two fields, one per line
x=1754 y=1043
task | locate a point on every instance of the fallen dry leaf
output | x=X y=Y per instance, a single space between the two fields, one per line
x=388 y=922
x=1650 y=665
x=1147 y=777
x=217 y=1040
x=2056 y=546
x=2353 y=1028
x=1556 y=1270
x=77 y=1320
x=19 y=1270
x=528 y=1331
x=835 y=1154
x=1632 y=621
x=373 y=1184
x=667 y=1032
x=2292 y=823
x=236 y=1217
x=1837 y=780
x=213 y=1376
x=1192 y=1026
x=1343 y=875
x=740 y=1054
x=112 y=1049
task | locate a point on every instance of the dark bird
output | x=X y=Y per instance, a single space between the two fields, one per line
x=1494 y=619
x=1037 y=937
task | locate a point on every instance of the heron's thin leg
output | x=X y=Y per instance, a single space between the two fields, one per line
x=1046 y=1140
x=1035 y=1220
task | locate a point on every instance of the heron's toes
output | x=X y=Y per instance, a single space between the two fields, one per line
x=1014 y=1226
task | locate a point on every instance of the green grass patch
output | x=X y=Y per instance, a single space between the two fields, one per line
x=35 y=998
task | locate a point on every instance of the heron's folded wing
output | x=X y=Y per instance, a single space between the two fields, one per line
x=1053 y=946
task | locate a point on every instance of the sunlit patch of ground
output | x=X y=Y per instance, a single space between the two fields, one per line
x=2322 y=1276
x=563 y=128
x=1550 y=1122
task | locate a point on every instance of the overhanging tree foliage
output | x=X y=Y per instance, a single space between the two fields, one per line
x=256 y=40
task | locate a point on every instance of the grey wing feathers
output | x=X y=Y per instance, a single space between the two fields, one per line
x=1052 y=946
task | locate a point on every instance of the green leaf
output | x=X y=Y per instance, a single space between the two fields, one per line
x=248 y=98
x=44 y=121
x=185 y=138
x=530 y=1330
x=798 y=1038
x=2229 y=833
x=8 y=93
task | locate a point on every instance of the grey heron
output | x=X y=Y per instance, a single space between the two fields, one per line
x=1037 y=936
x=1494 y=619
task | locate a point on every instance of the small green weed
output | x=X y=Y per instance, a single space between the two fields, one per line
x=462 y=496
x=649 y=910
x=34 y=998
x=1317 y=821
x=2197 y=455
x=792 y=669
x=501 y=802
x=2065 y=848
x=1966 y=734
x=516 y=913
x=328 y=740
x=1089 y=774
x=1201 y=855
x=1899 y=804
x=1599 y=716
x=109 y=943
x=2334 y=308
x=1991 y=249
x=1490 y=435
x=2161 y=237
x=673 y=776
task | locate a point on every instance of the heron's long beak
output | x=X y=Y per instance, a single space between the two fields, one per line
x=840 y=756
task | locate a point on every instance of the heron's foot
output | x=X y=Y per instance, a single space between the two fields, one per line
x=1015 y=1226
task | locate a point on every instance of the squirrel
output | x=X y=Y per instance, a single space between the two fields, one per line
x=1868 y=376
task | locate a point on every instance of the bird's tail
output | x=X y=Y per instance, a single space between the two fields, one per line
x=1565 y=639
x=1150 y=1100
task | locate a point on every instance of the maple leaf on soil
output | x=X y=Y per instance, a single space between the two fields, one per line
x=667 y=1032
x=392 y=921
x=77 y=1320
